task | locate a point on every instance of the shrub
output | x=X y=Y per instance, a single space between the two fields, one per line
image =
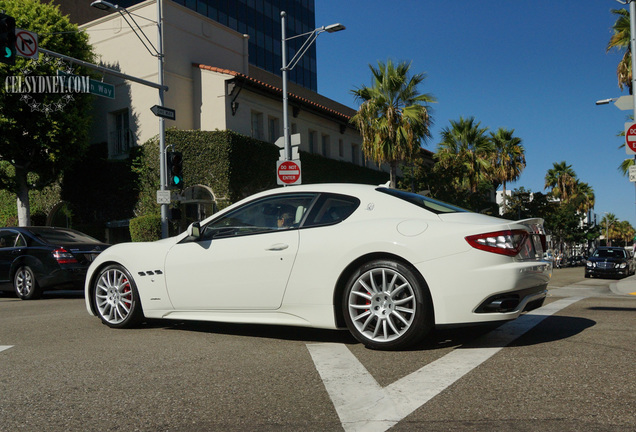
x=145 y=228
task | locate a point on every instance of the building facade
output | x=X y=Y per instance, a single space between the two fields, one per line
x=212 y=85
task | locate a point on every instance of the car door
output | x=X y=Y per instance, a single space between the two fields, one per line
x=242 y=260
x=7 y=253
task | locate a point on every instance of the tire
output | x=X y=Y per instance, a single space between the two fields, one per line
x=116 y=298
x=25 y=284
x=386 y=306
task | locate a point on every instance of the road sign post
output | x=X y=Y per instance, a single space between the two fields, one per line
x=288 y=173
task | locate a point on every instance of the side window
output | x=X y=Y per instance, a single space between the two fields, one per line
x=331 y=209
x=266 y=215
x=7 y=238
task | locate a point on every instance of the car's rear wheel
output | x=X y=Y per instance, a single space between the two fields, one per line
x=25 y=285
x=386 y=307
x=116 y=298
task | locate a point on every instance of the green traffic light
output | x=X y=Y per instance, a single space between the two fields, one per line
x=8 y=52
x=176 y=180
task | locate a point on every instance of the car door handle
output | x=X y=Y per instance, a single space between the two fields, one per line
x=278 y=247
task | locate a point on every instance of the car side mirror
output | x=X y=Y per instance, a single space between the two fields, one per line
x=194 y=231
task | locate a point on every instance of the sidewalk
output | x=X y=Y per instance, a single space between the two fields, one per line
x=624 y=286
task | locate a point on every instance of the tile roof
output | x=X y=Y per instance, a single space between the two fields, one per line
x=276 y=90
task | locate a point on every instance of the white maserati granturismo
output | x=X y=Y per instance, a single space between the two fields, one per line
x=387 y=265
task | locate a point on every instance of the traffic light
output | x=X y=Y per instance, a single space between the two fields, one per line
x=175 y=169
x=7 y=39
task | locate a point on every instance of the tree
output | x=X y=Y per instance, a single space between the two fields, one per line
x=466 y=149
x=625 y=232
x=621 y=40
x=609 y=227
x=583 y=197
x=561 y=178
x=509 y=158
x=40 y=145
x=393 y=116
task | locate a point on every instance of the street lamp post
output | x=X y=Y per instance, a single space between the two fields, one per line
x=292 y=63
x=155 y=52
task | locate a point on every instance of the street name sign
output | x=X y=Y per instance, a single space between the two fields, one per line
x=630 y=138
x=632 y=173
x=288 y=172
x=95 y=87
x=164 y=112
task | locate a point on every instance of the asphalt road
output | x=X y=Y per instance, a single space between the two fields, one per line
x=62 y=370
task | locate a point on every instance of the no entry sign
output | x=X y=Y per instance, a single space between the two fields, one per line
x=288 y=172
x=630 y=138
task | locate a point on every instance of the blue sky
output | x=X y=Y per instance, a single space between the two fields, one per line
x=535 y=66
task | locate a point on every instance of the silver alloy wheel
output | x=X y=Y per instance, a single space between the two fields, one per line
x=114 y=296
x=382 y=304
x=24 y=282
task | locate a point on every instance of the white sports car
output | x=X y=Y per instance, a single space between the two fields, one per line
x=386 y=264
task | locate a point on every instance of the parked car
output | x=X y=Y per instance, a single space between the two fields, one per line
x=610 y=262
x=34 y=259
x=386 y=264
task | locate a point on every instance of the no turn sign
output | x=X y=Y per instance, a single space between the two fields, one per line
x=630 y=138
x=26 y=43
x=288 y=172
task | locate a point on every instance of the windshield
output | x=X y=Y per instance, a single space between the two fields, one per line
x=609 y=253
x=421 y=201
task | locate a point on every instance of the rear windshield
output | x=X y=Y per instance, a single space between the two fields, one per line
x=63 y=236
x=421 y=201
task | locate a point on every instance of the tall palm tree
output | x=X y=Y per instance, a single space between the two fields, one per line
x=625 y=232
x=583 y=196
x=393 y=116
x=466 y=149
x=621 y=40
x=509 y=158
x=608 y=227
x=561 y=178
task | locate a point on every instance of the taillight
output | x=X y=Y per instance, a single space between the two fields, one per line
x=62 y=256
x=507 y=242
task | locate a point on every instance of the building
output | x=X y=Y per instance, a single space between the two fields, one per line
x=212 y=85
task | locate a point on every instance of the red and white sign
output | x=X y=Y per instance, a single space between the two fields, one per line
x=26 y=43
x=288 y=172
x=630 y=138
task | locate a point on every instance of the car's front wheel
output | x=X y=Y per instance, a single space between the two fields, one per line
x=25 y=284
x=386 y=306
x=116 y=298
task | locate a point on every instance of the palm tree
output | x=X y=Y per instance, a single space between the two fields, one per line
x=621 y=40
x=466 y=149
x=393 y=116
x=608 y=226
x=508 y=158
x=561 y=178
x=625 y=231
x=583 y=196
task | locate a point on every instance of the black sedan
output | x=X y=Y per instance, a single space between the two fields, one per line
x=609 y=262
x=34 y=259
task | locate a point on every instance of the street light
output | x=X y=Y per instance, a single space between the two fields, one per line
x=158 y=53
x=606 y=101
x=292 y=63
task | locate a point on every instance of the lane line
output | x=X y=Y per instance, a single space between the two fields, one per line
x=5 y=347
x=363 y=405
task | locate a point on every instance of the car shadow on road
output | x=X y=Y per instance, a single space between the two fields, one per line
x=303 y=334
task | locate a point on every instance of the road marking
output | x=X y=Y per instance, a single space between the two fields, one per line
x=363 y=405
x=5 y=347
